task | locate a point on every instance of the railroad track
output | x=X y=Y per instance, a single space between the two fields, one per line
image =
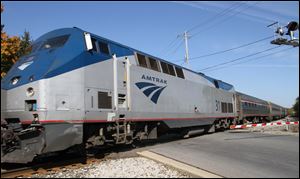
x=46 y=167
x=69 y=161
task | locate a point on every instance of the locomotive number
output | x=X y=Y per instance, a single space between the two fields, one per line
x=218 y=105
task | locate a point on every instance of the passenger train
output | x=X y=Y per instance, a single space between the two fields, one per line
x=79 y=90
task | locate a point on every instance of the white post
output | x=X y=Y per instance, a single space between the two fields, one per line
x=115 y=73
x=128 y=83
x=186 y=48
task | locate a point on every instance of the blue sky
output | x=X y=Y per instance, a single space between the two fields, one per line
x=152 y=26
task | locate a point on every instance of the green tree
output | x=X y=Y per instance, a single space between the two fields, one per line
x=25 y=45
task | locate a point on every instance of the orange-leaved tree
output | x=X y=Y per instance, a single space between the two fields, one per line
x=12 y=48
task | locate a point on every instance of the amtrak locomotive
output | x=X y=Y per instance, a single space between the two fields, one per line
x=79 y=90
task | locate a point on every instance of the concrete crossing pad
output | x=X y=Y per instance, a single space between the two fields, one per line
x=178 y=165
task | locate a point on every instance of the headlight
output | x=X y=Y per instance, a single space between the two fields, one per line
x=15 y=80
x=30 y=92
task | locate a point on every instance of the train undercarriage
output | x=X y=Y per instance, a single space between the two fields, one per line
x=23 y=143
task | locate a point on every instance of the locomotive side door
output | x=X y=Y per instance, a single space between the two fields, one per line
x=121 y=84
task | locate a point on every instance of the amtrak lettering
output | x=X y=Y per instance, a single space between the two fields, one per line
x=154 y=79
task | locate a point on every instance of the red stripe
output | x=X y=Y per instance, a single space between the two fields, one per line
x=287 y=122
x=253 y=125
x=127 y=119
x=64 y=121
x=296 y=123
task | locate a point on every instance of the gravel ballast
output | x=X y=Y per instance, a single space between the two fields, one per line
x=136 y=167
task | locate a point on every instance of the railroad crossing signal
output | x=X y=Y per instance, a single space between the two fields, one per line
x=280 y=32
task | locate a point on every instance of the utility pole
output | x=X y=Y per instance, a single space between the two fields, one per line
x=186 y=36
x=186 y=47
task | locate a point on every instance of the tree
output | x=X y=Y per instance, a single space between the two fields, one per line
x=12 y=48
x=9 y=49
x=296 y=107
x=25 y=45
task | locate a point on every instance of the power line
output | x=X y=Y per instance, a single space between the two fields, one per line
x=178 y=47
x=224 y=21
x=252 y=59
x=227 y=50
x=171 y=45
x=213 y=66
x=225 y=11
x=232 y=15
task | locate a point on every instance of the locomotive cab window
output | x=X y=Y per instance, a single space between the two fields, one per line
x=216 y=83
x=55 y=42
x=94 y=45
x=36 y=46
x=103 y=47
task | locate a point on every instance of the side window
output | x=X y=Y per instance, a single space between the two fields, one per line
x=103 y=47
x=164 y=67
x=171 y=70
x=142 y=60
x=153 y=64
x=216 y=83
x=179 y=72
x=94 y=45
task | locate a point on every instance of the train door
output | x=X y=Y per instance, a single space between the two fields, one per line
x=121 y=85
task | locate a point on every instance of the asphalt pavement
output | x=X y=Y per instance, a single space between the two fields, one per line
x=238 y=154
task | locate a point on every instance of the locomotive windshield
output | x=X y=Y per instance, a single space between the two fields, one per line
x=35 y=46
x=54 y=42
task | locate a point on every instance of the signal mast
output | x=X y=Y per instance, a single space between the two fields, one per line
x=280 y=32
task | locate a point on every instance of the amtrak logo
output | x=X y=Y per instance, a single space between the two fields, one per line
x=150 y=88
